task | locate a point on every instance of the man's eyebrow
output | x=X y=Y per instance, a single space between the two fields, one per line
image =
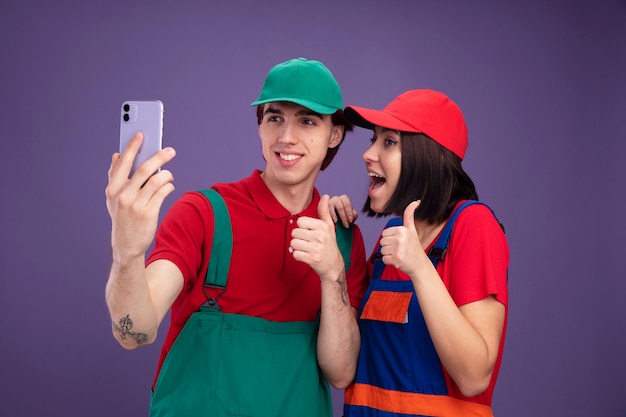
x=307 y=112
x=299 y=113
x=272 y=110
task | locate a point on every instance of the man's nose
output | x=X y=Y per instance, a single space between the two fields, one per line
x=288 y=133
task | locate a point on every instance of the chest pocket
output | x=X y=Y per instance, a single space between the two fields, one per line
x=387 y=306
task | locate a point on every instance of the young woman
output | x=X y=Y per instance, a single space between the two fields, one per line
x=431 y=336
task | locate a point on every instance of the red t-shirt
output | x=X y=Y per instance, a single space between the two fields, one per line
x=264 y=279
x=475 y=267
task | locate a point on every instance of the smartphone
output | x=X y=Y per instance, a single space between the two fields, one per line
x=145 y=117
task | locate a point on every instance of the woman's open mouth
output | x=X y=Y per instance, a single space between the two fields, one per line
x=376 y=180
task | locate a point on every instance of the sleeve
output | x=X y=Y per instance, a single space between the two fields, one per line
x=357 y=274
x=184 y=236
x=477 y=258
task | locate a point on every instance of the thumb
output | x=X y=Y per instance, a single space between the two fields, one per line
x=323 y=211
x=409 y=214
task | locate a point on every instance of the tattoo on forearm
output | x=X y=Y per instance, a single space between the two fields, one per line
x=125 y=329
x=343 y=288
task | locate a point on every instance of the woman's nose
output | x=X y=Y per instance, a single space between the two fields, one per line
x=370 y=154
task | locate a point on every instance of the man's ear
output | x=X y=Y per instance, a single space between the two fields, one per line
x=336 y=136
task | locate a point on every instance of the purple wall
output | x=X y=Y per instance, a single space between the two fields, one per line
x=543 y=89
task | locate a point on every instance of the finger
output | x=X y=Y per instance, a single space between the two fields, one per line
x=160 y=194
x=152 y=165
x=111 y=189
x=344 y=215
x=337 y=211
x=154 y=187
x=114 y=160
x=301 y=250
x=351 y=213
x=333 y=209
x=299 y=244
x=354 y=216
x=323 y=210
x=341 y=208
x=302 y=256
x=409 y=215
x=129 y=153
x=304 y=233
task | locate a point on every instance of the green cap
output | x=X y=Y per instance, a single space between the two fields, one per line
x=305 y=82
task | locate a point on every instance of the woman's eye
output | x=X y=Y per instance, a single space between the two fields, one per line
x=390 y=142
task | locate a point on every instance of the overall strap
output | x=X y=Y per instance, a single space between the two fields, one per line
x=438 y=251
x=344 y=242
x=221 y=248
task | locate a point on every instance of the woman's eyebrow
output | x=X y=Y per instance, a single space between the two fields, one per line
x=384 y=129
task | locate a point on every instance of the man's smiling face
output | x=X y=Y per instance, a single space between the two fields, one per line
x=294 y=142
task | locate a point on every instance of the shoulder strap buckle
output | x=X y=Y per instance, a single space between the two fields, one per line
x=438 y=253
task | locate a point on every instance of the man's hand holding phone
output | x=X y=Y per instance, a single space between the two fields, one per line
x=134 y=203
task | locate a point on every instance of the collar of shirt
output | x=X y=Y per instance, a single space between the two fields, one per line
x=268 y=203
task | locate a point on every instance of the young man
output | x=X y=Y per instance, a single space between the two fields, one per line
x=249 y=336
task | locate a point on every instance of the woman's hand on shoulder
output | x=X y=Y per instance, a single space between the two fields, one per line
x=341 y=209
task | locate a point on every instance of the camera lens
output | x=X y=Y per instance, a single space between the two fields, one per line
x=126 y=107
x=126 y=117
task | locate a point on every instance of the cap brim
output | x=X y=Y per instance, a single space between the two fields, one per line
x=311 y=105
x=368 y=118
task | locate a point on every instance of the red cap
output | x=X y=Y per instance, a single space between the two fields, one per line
x=422 y=111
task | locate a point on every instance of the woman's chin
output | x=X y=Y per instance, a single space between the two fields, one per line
x=376 y=207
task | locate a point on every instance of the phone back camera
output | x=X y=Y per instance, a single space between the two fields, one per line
x=126 y=116
x=126 y=107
